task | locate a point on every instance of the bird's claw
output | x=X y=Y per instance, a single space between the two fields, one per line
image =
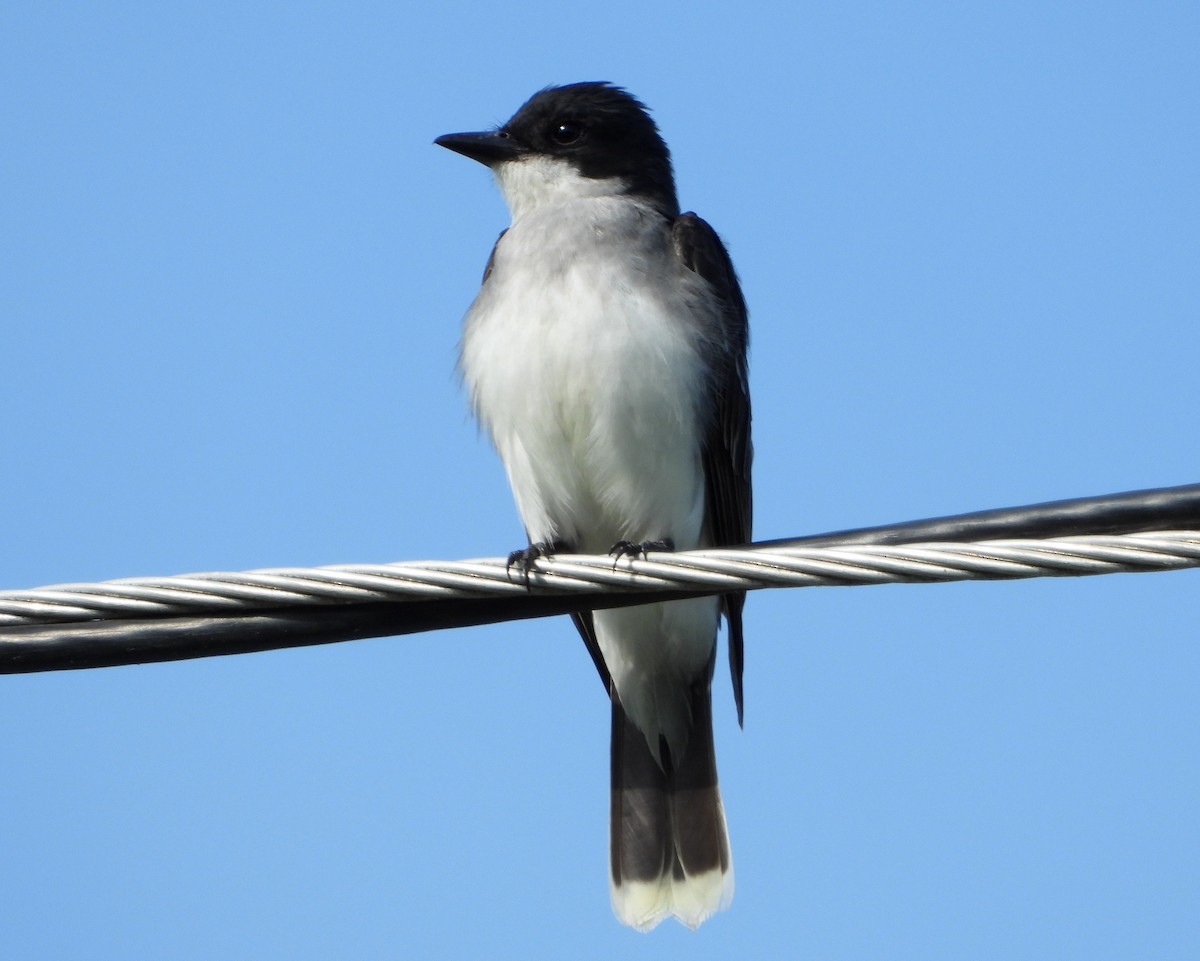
x=634 y=549
x=522 y=558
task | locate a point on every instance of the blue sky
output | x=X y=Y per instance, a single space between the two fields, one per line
x=232 y=271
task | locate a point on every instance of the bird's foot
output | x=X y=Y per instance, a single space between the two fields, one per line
x=635 y=550
x=522 y=558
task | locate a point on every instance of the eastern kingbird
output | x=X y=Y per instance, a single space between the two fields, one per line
x=606 y=356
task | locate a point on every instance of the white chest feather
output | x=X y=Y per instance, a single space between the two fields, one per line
x=583 y=355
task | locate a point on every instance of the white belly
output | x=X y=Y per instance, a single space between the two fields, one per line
x=588 y=381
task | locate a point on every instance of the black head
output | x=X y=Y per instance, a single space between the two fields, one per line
x=599 y=129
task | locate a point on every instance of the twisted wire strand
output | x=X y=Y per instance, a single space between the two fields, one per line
x=710 y=571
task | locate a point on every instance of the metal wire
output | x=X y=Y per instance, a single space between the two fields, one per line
x=139 y=620
x=716 y=571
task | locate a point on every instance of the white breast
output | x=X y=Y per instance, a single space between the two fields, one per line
x=584 y=355
x=585 y=364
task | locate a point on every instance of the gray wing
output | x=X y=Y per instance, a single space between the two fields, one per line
x=727 y=452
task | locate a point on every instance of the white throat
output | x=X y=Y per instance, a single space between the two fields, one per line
x=538 y=181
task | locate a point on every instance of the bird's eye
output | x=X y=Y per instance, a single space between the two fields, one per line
x=565 y=133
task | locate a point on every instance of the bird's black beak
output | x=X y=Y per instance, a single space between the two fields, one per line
x=489 y=148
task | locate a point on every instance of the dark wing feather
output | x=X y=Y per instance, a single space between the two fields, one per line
x=587 y=630
x=727 y=449
x=487 y=271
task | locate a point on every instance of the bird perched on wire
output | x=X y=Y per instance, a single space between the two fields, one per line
x=606 y=356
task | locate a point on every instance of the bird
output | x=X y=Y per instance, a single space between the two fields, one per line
x=606 y=357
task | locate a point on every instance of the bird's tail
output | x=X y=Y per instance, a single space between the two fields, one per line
x=669 y=844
